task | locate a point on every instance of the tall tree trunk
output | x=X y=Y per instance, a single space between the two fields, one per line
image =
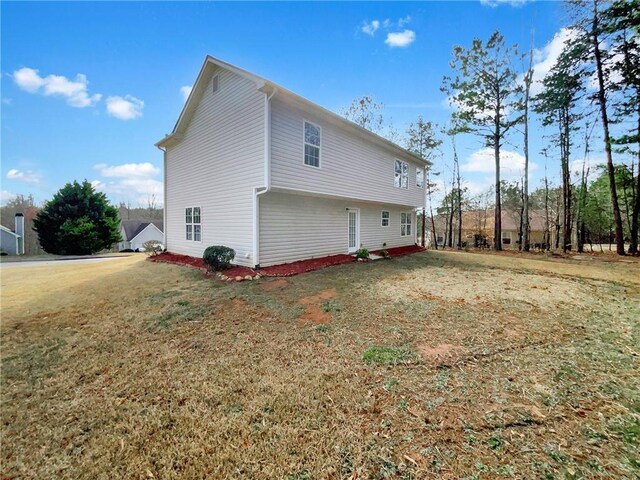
x=433 y=222
x=457 y=168
x=602 y=99
x=525 y=189
x=497 y=229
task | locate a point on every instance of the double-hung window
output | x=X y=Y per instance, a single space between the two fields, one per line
x=401 y=174
x=193 y=221
x=405 y=224
x=311 y=144
x=384 y=219
x=419 y=177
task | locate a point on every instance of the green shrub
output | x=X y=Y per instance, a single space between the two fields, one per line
x=363 y=253
x=218 y=257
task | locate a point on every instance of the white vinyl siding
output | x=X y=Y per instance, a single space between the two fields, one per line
x=215 y=166
x=350 y=165
x=295 y=227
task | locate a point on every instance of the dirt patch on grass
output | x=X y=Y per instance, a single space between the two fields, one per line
x=439 y=352
x=314 y=311
x=271 y=285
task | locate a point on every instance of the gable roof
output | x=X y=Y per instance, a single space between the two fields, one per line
x=268 y=86
x=5 y=229
x=132 y=228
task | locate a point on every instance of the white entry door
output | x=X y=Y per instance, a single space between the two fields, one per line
x=354 y=229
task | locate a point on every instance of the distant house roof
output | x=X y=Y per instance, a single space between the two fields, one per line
x=5 y=229
x=133 y=227
x=483 y=221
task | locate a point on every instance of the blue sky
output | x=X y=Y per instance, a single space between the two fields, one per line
x=88 y=88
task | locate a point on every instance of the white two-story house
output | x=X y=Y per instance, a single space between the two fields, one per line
x=257 y=168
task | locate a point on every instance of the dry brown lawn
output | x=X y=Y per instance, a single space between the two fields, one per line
x=436 y=365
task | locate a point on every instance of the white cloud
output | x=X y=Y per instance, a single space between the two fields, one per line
x=185 y=91
x=5 y=196
x=400 y=39
x=125 y=108
x=133 y=182
x=145 y=169
x=75 y=91
x=546 y=58
x=370 y=27
x=482 y=161
x=495 y=3
x=404 y=21
x=26 y=176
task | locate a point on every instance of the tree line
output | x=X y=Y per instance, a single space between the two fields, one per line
x=595 y=82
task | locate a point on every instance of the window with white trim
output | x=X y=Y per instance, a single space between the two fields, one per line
x=384 y=218
x=193 y=222
x=311 y=144
x=401 y=174
x=506 y=238
x=419 y=177
x=215 y=84
x=405 y=224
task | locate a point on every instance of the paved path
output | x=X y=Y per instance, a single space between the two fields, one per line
x=62 y=261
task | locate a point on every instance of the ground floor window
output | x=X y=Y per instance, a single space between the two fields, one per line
x=405 y=224
x=384 y=218
x=506 y=238
x=193 y=222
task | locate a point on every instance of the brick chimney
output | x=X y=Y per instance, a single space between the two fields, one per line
x=19 y=230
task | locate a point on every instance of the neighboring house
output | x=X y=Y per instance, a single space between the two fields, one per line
x=12 y=243
x=478 y=225
x=257 y=168
x=135 y=232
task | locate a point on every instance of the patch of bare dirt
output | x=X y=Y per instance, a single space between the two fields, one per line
x=459 y=286
x=270 y=286
x=314 y=312
x=439 y=352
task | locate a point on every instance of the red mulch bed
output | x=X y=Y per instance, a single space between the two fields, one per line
x=284 y=270
x=177 y=259
x=399 y=251
x=301 y=266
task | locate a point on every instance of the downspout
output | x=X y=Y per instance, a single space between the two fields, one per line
x=257 y=191
x=164 y=196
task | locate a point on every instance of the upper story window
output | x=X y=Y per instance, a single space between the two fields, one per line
x=193 y=223
x=311 y=144
x=419 y=177
x=401 y=171
x=215 y=83
x=384 y=219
